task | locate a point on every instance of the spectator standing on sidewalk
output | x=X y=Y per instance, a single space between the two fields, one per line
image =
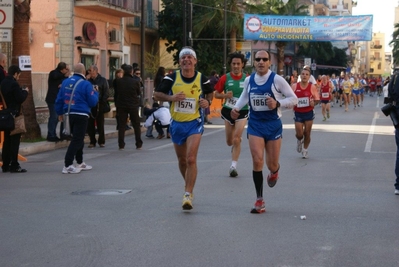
x=97 y=113
x=3 y=63
x=14 y=96
x=127 y=104
x=84 y=98
x=189 y=92
x=55 y=79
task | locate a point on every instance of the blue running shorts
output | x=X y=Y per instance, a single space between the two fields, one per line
x=303 y=116
x=268 y=130
x=180 y=131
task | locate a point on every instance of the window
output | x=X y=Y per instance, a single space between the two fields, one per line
x=114 y=64
x=87 y=60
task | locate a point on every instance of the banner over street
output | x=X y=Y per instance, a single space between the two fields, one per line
x=308 y=28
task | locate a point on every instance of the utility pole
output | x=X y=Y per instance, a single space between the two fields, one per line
x=225 y=38
x=190 y=22
x=142 y=51
x=142 y=32
x=184 y=22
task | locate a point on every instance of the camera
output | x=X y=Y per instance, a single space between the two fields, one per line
x=386 y=109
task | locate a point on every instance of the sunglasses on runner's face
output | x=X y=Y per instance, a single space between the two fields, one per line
x=258 y=59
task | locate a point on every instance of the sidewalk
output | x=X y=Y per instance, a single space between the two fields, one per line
x=26 y=148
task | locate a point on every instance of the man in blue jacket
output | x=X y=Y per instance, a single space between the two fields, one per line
x=84 y=98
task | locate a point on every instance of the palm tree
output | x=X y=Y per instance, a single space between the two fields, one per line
x=21 y=26
x=213 y=17
x=291 y=8
x=395 y=45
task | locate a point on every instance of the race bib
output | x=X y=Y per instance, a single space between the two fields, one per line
x=303 y=102
x=187 y=106
x=258 y=102
x=231 y=102
x=325 y=95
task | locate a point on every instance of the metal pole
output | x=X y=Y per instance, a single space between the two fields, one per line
x=225 y=38
x=190 y=22
x=142 y=31
x=142 y=53
x=184 y=22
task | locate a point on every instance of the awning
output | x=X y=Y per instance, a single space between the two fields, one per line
x=330 y=67
x=115 y=53
x=89 y=51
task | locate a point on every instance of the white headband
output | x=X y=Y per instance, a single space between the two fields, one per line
x=187 y=51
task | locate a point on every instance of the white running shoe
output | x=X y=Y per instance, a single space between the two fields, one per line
x=305 y=154
x=299 y=146
x=71 y=169
x=396 y=192
x=84 y=167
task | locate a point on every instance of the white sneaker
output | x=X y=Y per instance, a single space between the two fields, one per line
x=396 y=192
x=71 y=169
x=299 y=146
x=305 y=153
x=84 y=167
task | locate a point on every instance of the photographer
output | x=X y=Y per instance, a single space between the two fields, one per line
x=392 y=109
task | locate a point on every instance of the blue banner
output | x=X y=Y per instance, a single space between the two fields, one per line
x=308 y=28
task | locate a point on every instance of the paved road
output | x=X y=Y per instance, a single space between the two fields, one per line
x=345 y=190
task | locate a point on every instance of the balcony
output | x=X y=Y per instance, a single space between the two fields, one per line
x=377 y=46
x=151 y=23
x=372 y=59
x=118 y=8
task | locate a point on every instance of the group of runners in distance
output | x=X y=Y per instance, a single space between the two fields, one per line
x=255 y=99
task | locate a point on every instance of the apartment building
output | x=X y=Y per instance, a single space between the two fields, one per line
x=102 y=32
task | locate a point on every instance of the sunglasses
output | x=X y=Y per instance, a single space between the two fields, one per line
x=258 y=59
x=138 y=73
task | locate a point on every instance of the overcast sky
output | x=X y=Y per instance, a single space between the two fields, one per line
x=383 y=12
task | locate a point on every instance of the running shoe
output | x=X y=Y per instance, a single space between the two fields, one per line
x=71 y=169
x=396 y=192
x=324 y=118
x=187 y=202
x=259 y=206
x=298 y=146
x=272 y=179
x=233 y=172
x=84 y=167
x=305 y=154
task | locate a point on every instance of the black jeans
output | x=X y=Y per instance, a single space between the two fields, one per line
x=159 y=127
x=91 y=128
x=135 y=120
x=10 y=151
x=78 y=130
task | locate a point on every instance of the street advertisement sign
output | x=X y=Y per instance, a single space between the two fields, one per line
x=307 y=28
x=245 y=48
x=6 y=14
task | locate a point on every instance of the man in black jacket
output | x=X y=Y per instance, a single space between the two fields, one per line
x=127 y=102
x=14 y=96
x=97 y=113
x=55 y=79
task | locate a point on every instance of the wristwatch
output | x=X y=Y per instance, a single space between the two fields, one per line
x=277 y=104
x=209 y=101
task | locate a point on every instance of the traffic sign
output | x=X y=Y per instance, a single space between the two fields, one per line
x=313 y=66
x=308 y=61
x=6 y=14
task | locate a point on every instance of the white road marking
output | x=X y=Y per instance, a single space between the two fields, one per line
x=371 y=133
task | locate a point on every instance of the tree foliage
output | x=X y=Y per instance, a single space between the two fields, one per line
x=208 y=44
x=395 y=45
